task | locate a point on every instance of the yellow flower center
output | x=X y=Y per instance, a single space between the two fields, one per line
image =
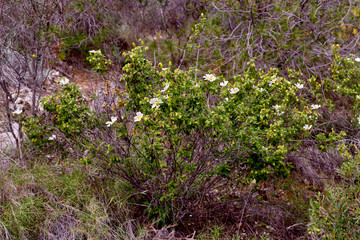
x=139 y=118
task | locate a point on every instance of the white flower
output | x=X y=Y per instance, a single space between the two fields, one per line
x=277 y=107
x=299 y=85
x=234 y=90
x=17 y=111
x=109 y=123
x=138 y=117
x=209 y=77
x=357 y=59
x=95 y=51
x=223 y=84
x=166 y=87
x=307 y=127
x=357 y=96
x=358 y=118
x=52 y=137
x=164 y=69
x=259 y=89
x=274 y=79
x=227 y=99
x=156 y=102
x=63 y=81
x=280 y=113
x=166 y=97
x=315 y=106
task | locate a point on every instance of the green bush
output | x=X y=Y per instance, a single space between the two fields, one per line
x=98 y=62
x=173 y=138
x=65 y=120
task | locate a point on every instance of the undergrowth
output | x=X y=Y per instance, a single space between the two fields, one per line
x=62 y=200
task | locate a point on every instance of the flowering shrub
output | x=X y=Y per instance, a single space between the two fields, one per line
x=263 y=115
x=173 y=139
x=68 y=109
x=267 y=115
x=98 y=61
x=66 y=114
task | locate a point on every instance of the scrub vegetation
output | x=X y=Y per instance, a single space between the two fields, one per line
x=212 y=119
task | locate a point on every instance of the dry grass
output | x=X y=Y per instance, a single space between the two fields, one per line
x=316 y=167
x=58 y=201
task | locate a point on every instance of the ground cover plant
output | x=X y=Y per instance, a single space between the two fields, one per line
x=334 y=215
